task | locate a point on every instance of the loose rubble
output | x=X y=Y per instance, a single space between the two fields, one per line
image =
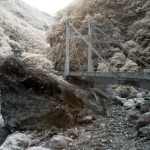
x=114 y=132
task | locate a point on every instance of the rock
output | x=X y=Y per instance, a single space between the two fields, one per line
x=146 y=98
x=143 y=120
x=138 y=101
x=144 y=130
x=119 y=100
x=104 y=141
x=37 y=100
x=145 y=106
x=4 y=132
x=38 y=148
x=131 y=97
x=133 y=115
x=84 y=136
x=85 y=119
x=16 y=140
x=60 y=142
x=1 y=121
x=139 y=95
x=129 y=104
x=148 y=94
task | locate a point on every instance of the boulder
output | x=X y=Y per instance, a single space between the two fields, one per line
x=129 y=104
x=119 y=100
x=145 y=106
x=138 y=102
x=37 y=100
x=143 y=120
x=144 y=130
x=60 y=142
x=133 y=115
x=16 y=140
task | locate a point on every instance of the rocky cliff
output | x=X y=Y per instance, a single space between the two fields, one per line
x=125 y=21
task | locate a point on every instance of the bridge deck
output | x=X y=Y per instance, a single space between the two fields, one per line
x=125 y=75
x=138 y=79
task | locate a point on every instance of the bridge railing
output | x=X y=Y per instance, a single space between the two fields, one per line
x=125 y=75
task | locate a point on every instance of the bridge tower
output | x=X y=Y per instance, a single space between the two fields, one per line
x=90 y=66
x=66 y=72
x=69 y=37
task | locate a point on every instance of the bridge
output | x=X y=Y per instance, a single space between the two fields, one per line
x=137 y=79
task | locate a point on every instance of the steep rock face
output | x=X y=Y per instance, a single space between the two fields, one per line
x=126 y=21
x=35 y=99
x=21 y=10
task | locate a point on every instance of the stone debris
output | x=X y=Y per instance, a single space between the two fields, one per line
x=117 y=131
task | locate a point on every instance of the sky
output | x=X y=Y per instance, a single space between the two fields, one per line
x=48 y=6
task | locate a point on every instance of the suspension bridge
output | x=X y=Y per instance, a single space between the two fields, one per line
x=137 y=79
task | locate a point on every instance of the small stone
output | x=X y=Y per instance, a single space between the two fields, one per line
x=103 y=141
x=139 y=95
x=85 y=119
x=60 y=142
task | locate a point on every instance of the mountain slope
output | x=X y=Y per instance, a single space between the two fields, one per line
x=15 y=31
x=126 y=21
x=21 y=10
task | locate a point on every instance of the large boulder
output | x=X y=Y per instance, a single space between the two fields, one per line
x=33 y=99
x=143 y=120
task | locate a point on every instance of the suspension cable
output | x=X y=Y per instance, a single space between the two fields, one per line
x=123 y=48
x=113 y=71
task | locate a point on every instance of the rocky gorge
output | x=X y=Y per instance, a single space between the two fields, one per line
x=42 y=111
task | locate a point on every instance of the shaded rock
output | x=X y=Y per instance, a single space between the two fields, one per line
x=94 y=100
x=138 y=102
x=4 y=132
x=84 y=136
x=133 y=115
x=36 y=99
x=60 y=142
x=145 y=106
x=131 y=97
x=143 y=120
x=144 y=131
x=119 y=100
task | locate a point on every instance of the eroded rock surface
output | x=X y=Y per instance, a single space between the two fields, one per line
x=36 y=100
